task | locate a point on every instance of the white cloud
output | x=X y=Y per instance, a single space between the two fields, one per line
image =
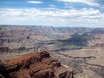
x=35 y=2
x=54 y=17
x=88 y=2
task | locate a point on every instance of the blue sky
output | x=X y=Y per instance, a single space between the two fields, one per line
x=69 y=13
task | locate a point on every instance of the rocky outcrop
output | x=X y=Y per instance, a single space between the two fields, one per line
x=33 y=65
x=4 y=49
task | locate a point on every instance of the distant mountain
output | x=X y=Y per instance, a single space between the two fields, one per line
x=78 y=40
x=35 y=37
x=98 y=31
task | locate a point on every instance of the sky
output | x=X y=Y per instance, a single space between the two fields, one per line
x=68 y=13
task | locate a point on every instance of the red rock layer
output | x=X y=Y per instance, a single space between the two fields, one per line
x=34 y=65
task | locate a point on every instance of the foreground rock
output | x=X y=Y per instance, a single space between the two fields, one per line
x=33 y=65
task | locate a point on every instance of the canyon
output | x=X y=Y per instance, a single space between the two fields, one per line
x=78 y=50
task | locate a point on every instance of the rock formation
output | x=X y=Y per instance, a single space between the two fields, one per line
x=33 y=65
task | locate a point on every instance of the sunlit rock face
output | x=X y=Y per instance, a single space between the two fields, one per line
x=33 y=65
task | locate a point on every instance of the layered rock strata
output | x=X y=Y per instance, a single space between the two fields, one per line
x=33 y=65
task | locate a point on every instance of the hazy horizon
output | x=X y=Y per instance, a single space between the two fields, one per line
x=49 y=26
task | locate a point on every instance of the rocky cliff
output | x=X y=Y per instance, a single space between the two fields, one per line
x=33 y=65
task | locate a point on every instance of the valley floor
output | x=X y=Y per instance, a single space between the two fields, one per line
x=85 y=63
